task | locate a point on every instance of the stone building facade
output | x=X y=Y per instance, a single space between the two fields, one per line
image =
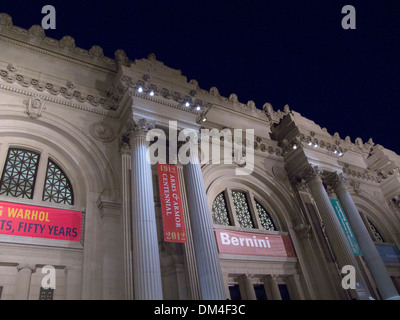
x=73 y=130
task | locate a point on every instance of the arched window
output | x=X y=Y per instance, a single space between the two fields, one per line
x=265 y=218
x=220 y=213
x=19 y=173
x=376 y=234
x=57 y=187
x=242 y=206
x=242 y=209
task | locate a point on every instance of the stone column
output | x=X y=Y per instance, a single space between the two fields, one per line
x=110 y=213
x=23 y=282
x=371 y=255
x=248 y=286
x=334 y=231
x=295 y=288
x=190 y=256
x=205 y=246
x=272 y=288
x=146 y=259
x=125 y=152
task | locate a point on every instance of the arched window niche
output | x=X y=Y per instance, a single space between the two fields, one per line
x=242 y=208
x=22 y=177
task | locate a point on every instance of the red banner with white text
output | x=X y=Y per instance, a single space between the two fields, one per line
x=171 y=203
x=39 y=222
x=257 y=244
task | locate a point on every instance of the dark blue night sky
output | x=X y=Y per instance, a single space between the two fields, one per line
x=282 y=52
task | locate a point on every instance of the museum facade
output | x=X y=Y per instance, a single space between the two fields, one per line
x=270 y=206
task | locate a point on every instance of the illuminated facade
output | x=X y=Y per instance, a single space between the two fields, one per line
x=73 y=128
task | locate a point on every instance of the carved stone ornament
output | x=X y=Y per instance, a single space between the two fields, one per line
x=214 y=91
x=96 y=51
x=233 y=98
x=37 y=31
x=5 y=20
x=124 y=145
x=268 y=109
x=138 y=126
x=279 y=173
x=239 y=158
x=251 y=105
x=102 y=132
x=301 y=184
x=12 y=67
x=121 y=59
x=67 y=42
x=337 y=179
x=396 y=201
x=311 y=172
x=35 y=107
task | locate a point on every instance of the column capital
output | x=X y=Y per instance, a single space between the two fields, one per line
x=337 y=180
x=138 y=126
x=245 y=276
x=28 y=266
x=124 y=146
x=311 y=172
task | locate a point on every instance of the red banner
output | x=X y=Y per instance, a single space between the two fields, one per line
x=39 y=222
x=171 y=203
x=258 y=244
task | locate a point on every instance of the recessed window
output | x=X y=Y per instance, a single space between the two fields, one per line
x=284 y=292
x=260 y=292
x=241 y=210
x=234 y=292
x=220 y=213
x=265 y=218
x=19 y=173
x=46 y=294
x=377 y=235
x=57 y=187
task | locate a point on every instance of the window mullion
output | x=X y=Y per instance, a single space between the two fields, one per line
x=231 y=208
x=40 y=176
x=3 y=156
x=253 y=210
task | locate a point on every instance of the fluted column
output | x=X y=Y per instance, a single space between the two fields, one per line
x=190 y=256
x=248 y=285
x=125 y=152
x=23 y=281
x=205 y=246
x=146 y=259
x=333 y=228
x=385 y=285
x=272 y=288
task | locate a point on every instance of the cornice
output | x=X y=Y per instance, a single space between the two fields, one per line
x=311 y=142
x=361 y=174
x=56 y=93
x=59 y=100
x=34 y=39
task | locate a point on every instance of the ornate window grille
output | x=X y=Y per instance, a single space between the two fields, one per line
x=46 y=294
x=378 y=237
x=19 y=173
x=265 y=218
x=220 y=213
x=242 y=209
x=57 y=187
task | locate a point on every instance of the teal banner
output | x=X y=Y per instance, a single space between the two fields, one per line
x=346 y=227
